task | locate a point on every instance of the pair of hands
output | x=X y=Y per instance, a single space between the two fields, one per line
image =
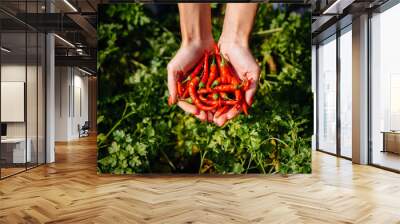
x=239 y=55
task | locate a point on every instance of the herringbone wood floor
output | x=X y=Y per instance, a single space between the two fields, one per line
x=70 y=191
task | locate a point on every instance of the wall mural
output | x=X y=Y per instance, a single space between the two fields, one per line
x=173 y=102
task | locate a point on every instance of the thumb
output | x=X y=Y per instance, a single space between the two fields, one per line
x=172 y=79
x=253 y=76
x=188 y=108
x=220 y=121
x=249 y=95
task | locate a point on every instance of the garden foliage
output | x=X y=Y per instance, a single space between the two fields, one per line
x=139 y=133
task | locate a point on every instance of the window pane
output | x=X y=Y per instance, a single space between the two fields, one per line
x=385 y=84
x=31 y=96
x=15 y=151
x=41 y=99
x=345 y=93
x=327 y=96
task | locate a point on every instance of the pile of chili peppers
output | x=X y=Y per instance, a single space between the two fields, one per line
x=213 y=86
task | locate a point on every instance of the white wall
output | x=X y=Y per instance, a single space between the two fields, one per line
x=62 y=82
x=71 y=94
x=13 y=72
x=80 y=112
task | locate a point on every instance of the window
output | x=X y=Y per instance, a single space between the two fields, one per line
x=22 y=77
x=346 y=92
x=385 y=89
x=327 y=95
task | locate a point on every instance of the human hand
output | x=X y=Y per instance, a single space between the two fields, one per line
x=185 y=59
x=195 y=23
x=234 y=46
x=246 y=67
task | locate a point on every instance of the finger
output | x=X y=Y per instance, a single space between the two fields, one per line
x=249 y=95
x=172 y=79
x=220 y=120
x=188 y=108
x=254 y=77
x=210 y=116
x=202 y=115
x=233 y=112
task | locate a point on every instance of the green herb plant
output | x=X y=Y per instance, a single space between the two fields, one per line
x=139 y=133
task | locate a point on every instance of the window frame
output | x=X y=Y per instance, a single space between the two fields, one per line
x=381 y=9
x=339 y=32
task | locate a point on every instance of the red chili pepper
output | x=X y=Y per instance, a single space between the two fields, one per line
x=214 y=97
x=230 y=102
x=204 y=107
x=196 y=71
x=238 y=95
x=202 y=98
x=235 y=81
x=180 y=89
x=227 y=88
x=224 y=68
x=180 y=75
x=227 y=74
x=193 y=94
x=216 y=48
x=205 y=91
x=222 y=80
x=185 y=93
x=234 y=77
x=207 y=100
x=213 y=73
x=204 y=79
x=246 y=84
